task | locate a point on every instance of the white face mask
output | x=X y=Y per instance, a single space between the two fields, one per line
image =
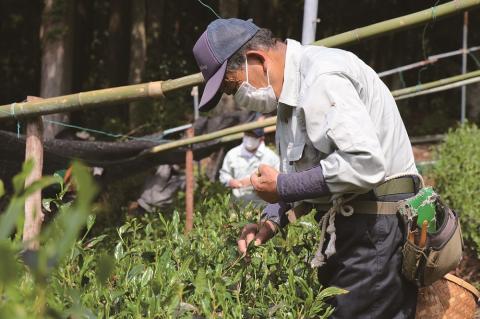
x=261 y=100
x=251 y=143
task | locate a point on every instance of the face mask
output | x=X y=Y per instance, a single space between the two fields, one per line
x=251 y=143
x=261 y=100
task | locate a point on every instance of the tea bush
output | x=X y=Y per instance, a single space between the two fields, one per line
x=149 y=268
x=457 y=178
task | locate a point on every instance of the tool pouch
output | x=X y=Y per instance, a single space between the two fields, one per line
x=442 y=252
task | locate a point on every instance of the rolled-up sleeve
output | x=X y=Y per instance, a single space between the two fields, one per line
x=338 y=124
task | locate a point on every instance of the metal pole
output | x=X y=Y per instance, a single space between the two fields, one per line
x=189 y=185
x=196 y=115
x=195 y=102
x=430 y=60
x=463 y=111
x=310 y=20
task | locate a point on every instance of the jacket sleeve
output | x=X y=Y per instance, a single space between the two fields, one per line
x=339 y=125
x=226 y=173
x=276 y=213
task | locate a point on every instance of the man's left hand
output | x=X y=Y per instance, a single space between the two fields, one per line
x=264 y=181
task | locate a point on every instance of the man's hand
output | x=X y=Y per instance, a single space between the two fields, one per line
x=259 y=233
x=264 y=181
x=235 y=183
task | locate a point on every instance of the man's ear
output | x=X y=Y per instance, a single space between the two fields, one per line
x=258 y=57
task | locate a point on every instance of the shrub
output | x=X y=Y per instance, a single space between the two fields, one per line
x=457 y=177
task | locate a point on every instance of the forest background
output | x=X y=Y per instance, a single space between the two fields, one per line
x=55 y=47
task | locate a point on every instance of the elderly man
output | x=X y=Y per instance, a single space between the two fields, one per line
x=344 y=151
x=243 y=160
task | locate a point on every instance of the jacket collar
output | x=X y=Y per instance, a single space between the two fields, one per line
x=291 y=74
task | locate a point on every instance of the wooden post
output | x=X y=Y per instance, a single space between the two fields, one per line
x=33 y=204
x=190 y=184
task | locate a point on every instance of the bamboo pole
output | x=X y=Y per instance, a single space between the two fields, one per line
x=440 y=88
x=234 y=132
x=33 y=204
x=82 y=100
x=434 y=84
x=397 y=24
x=137 y=92
x=189 y=185
x=214 y=135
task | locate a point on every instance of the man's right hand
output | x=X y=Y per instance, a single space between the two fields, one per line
x=260 y=233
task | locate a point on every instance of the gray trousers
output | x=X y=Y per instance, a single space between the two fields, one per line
x=368 y=264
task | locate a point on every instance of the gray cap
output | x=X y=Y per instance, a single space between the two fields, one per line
x=215 y=46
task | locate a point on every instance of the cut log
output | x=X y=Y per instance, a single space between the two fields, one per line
x=33 y=204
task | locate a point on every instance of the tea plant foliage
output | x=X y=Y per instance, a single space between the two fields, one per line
x=148 y=268
x=457 y=177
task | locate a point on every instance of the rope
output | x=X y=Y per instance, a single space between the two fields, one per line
x=402 y=79
x=328 y=226
x=327 y=223
x=114 y=135
x=210 y=8
x=424 y=49
x=475 y=59
x=12 y=113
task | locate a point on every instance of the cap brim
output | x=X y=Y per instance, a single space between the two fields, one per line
x=211 y=94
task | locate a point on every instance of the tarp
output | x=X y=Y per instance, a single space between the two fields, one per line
x=118 y=159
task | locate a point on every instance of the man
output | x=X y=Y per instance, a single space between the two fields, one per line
x=243 y=160
x=339 y=136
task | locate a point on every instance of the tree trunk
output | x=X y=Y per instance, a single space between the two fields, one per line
x=154 y=21
x=118 y=46
x=56 y=37
x=228 y=8
x=138 y=54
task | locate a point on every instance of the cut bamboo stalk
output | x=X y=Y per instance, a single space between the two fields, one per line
x=189 y=185
x=434 y=84
x=397 y=24
x=214 y=135
x=440 y=88
x=89 y=99
x=33 y=203
x=157 y=89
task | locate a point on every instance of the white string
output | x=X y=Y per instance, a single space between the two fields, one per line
x=12 y=111
x=329 y=219
x=268 y=78
x=246 y=67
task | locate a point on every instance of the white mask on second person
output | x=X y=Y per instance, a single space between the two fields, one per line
x=261 y=100
x=251 y=143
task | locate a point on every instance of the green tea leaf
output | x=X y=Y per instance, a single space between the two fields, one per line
x=118 y=253
x=105 y=266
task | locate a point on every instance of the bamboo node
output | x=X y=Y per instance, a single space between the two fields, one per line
x=79 y=98
x=357 y=35
x=154 y=89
